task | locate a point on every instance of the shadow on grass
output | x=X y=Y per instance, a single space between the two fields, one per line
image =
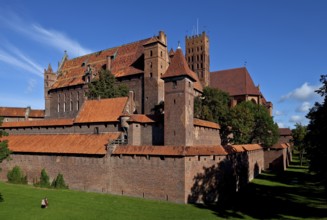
x=288 y=194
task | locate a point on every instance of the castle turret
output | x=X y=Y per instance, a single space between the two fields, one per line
x=197 y=56
x=49 y=79
x=155 y=65
x=179 y=102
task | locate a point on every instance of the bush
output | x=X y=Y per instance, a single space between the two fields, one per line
x=44 y=180
x=59 y=182
x=16 y=176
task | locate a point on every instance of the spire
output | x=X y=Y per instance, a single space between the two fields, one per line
x=49 y=68
x=179 y=67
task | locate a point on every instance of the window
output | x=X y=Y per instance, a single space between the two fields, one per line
x=150 y=53
x=96 y=130
x=174 y=84
x=150 y=75
x=161 y=53
x=58 y=107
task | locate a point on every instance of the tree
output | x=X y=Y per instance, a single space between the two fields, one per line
x=59 y=182
x=316 y=137
x=213 y=105
x=16 y=176
x=44 y=179
x=106 y=86
x=4 y=150
x=298 y=134
x=251 y=123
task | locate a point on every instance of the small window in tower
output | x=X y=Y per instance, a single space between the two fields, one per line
x=174 y=84
x=150 y=75
x=174 y=133
x=150 y=64
x=174 y=101
x=150 y=53
x=161 y=53
x=189 y=84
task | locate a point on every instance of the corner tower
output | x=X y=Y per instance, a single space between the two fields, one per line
x=197 y=56
x=155 y=65
x=179 y=102
x=49 y=79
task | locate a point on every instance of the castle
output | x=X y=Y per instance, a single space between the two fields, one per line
x=119 y=145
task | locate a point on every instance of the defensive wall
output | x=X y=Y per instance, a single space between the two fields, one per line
x=177 y=174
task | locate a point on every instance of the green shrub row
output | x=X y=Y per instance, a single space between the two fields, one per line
x=16 y=176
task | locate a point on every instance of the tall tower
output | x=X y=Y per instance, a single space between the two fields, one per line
x=198 y=57
x=155 y=65
x=49 y=79
x=179 y=102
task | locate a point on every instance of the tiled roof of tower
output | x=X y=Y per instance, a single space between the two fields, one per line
x=285 y=132
x=170 y=150
x=61 y=143
x=103 y=110
x=20 y=112
x=179 y=67
x=123 y=64
x=39 y=123
x=203 y=123
x=234 y=81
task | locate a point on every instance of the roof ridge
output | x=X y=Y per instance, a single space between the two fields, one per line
x=111 y=48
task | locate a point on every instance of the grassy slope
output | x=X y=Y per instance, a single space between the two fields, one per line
x=293 y=194
x=23 y=202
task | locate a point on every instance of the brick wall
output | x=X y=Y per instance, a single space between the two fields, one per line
x=275 y=159
x=206 y=136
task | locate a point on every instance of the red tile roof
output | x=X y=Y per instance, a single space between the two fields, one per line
x=103 y=110
x=203 y=123
x=20 y=112
x=38 y=123
x=61 y=143
x=285 y=132
x=280 y=146
x=36 y=113
x=123 y=64
x=170 y=150
x=242 y=148
x=179 y=67
x=234 y=81
x=143 y=118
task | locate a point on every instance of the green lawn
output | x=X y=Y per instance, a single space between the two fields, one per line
x=293 y=194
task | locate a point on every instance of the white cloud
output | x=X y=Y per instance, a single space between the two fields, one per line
x=281 y=124
x=52 y=38
x=22 y=62
x=303 y=93
x=296 y=119
x=31 y=85
x=305 y=107
x=279 y=113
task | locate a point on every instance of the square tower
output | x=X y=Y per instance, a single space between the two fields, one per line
x=197 y=56
x=179 y=102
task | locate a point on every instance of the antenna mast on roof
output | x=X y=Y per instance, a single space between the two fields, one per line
x=197 y=26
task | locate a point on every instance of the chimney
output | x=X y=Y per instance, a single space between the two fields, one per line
x=108 y=67
x=162 y=37
x=27 y=113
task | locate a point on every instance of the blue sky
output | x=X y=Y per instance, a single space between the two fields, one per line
x=282 y=42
